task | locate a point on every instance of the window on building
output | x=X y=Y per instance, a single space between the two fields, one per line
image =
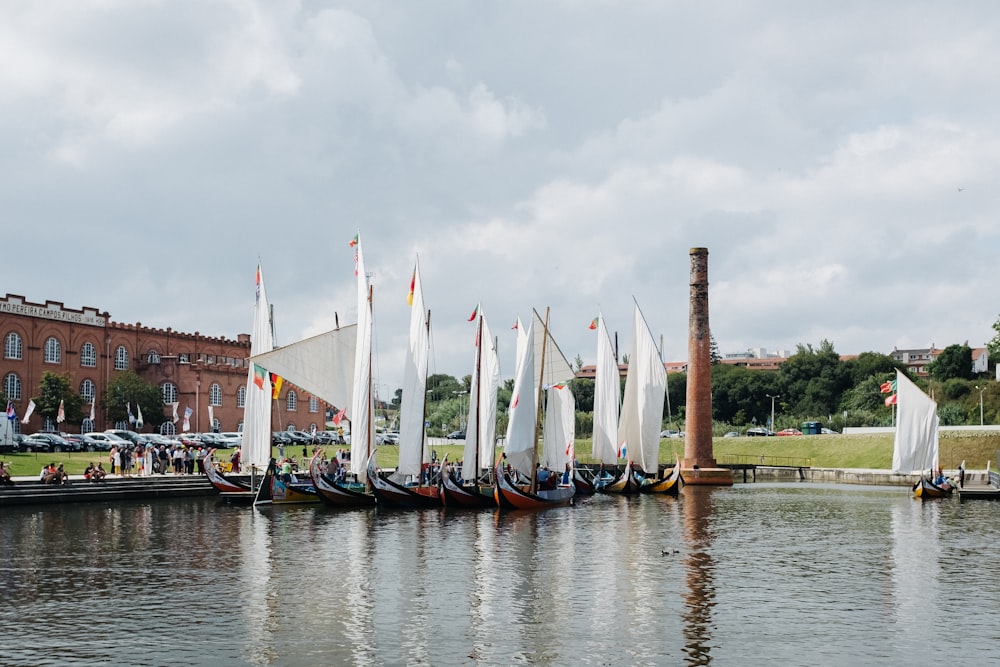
x=291 y=401
x=12 y=387
x=313 y=404
x=121 y=358
x=183 y=358
x=152 y=357
x=216 y=425
x=122 y=425
x=13 y=348
x=87 y=391
x=88 y=355
x=215 y=394
x=169 y=393
x=239 y=426
x=291 y=426
x=168 y=428
x=87 y=426
x=48 y=425
x=241 y=397
x=53 y=351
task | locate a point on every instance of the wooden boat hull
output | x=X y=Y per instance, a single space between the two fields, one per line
x=277 y=492
x=508 y=495
x=625 y=484
x=670 y=485
x=584 y=486
x=338 y=494
x=392 y=494
x=925 y=489
x=225 y=484
x=456 y=495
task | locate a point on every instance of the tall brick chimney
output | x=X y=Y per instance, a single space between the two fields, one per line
x=699 y=466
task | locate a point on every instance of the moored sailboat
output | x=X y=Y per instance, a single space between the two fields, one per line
x=915 y=446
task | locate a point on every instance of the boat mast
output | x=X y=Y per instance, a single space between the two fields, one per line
x=423 y=408
x=479 y=388
x=541 y=394
x=371 y=402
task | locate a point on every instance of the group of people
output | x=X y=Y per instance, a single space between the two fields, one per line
x=95 y=473
x=5 y=479
x=148 y=459
x=51 y=474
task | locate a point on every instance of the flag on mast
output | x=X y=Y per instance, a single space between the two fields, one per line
x=61 y=414
x=27 y=413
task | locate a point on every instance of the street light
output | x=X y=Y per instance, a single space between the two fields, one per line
x=461 y=409
x=772 y=408
x=980 y=403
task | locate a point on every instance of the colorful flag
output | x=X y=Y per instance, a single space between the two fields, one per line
x=569 y=447
x=337 y=418
x=276 y=382
x=259 y=375
x=593 y=324
x=92 y=404
x=891 y=400
x=413 y=285
x=175 y=405
x=354 y=241
x=27 y=413
x=10 y=411
x=138 y=416
x=187 y=419
x=258 y=282
x=623 y=451
x=515 y=325
x=61 y=414
x=888 y=386
x=474 y=313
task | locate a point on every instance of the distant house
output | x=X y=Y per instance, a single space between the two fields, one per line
x=917 y=361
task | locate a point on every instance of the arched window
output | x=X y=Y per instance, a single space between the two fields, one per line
x=12 y=387
x=291 y=401
x=53 y=351
x=88 y=355
x=152 y=357
x=13 y=348
x=121 y=358
x=48 y=425
x=216 y=425
x=215 y=394
x=241 y=397
x=239 y=426
x=122 y=425
x=169 y=393
x=291 y=426
x=313 y=404
x=87 y=391
x=168 y=428
x=87 y=426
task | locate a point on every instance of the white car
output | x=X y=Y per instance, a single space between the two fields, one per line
x=109 y=440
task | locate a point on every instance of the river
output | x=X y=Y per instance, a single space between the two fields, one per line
x=755 y=574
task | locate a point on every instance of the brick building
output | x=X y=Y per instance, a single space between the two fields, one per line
x=204 y=373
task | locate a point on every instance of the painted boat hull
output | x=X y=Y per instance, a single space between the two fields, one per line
x=454 y=495
x=625 y=484
x=670 y=485
x=225 y=484
x=336 y=493
x=391 y=494
x=584 y=486
x=925 y=489
x=276 y=492
x=510 y=496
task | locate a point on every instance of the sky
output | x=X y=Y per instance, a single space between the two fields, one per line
x=834 y=158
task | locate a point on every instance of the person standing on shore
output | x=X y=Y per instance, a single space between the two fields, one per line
x=116 y=460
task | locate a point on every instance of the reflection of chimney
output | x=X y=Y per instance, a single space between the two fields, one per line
x=699 y=466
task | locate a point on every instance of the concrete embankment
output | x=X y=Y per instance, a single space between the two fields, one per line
x=871 y=477
x=29 y=491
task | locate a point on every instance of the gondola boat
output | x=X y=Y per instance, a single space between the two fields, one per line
x=223 y=483
x=338 y=493
x=670 y=485
x=467 y=496
x=276 y=491
x=925 y=489
x=916 y=446
x=626 y=483
x=517 y=496
x=584 y=482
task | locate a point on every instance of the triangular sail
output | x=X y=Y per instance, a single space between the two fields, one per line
x=557 y=369
x=559 y=431
x=257 y=410
x=522 y=414
x=411 y=412
x=481 y=431
x=916 y=444
x=361 y=403
x=607 y=398
x=642 y=407
x=322 y=365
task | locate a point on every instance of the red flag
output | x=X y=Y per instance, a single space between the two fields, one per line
x=515 y=325
x=413 y=284
x=593 y=324
x=888 y=386
x=354 y=241
x=891 y=400
x=337 y=418
x=258 y=376
x=474 y=313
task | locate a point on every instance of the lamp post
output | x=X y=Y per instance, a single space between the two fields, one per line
x=461 y=410
x=980 y=390
x=772 y=407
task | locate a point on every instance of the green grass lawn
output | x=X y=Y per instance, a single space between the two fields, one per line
x=823 y=451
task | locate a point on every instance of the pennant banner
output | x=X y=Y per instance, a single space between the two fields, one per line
x=27 y=413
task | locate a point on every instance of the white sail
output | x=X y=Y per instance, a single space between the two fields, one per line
x=522 y=336
x=361 y=403
x=556 y=368
x=481 y=431
x=257 y=410
x=411 y=412
x=607 y=398
x=916 y=444
x=642 y=407
x=523 y=403
x=559 y=431
x=322 y=365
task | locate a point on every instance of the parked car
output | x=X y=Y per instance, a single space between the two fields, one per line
x=456 y=435
x=668 y=433
x=130 y=436
x=391 y=437
x=14 y=445
x=732 y=434
x=758 y=431
x=828 y=431
x=87 y=443
x=232 y=438
x=31 y=444
x=57 y=443
x=789 y=431
x=107 y=440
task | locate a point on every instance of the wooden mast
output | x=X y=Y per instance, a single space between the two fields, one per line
x=538 y=412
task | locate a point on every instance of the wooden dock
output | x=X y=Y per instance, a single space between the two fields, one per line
x=981 y=489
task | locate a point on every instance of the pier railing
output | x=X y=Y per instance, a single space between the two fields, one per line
x=768 y=461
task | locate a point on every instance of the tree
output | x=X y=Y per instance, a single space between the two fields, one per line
x=955 y=361
x=55 y=389
x=812 y=381
x=128 y=390
x=715 y=357
x=994 y=345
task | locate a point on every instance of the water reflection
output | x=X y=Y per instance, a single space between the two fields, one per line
x=699 y=567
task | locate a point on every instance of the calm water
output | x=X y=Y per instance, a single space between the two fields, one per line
x=762 y=574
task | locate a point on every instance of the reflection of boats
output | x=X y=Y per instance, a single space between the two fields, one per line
x=521 y=451
x=915 y=447
x=481 y=429
x=398 y=489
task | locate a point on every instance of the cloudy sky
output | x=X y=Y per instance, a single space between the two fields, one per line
x=835 y=159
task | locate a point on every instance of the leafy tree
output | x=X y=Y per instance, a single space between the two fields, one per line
x=994 y=345
x=53 y=389
x=715 y=357
x=812 y=381
x=955 y=361
x=441 y=386
x=129 y=389
x=952 y=414
x=583 y=394
x=868 y=364
x=866 y=395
